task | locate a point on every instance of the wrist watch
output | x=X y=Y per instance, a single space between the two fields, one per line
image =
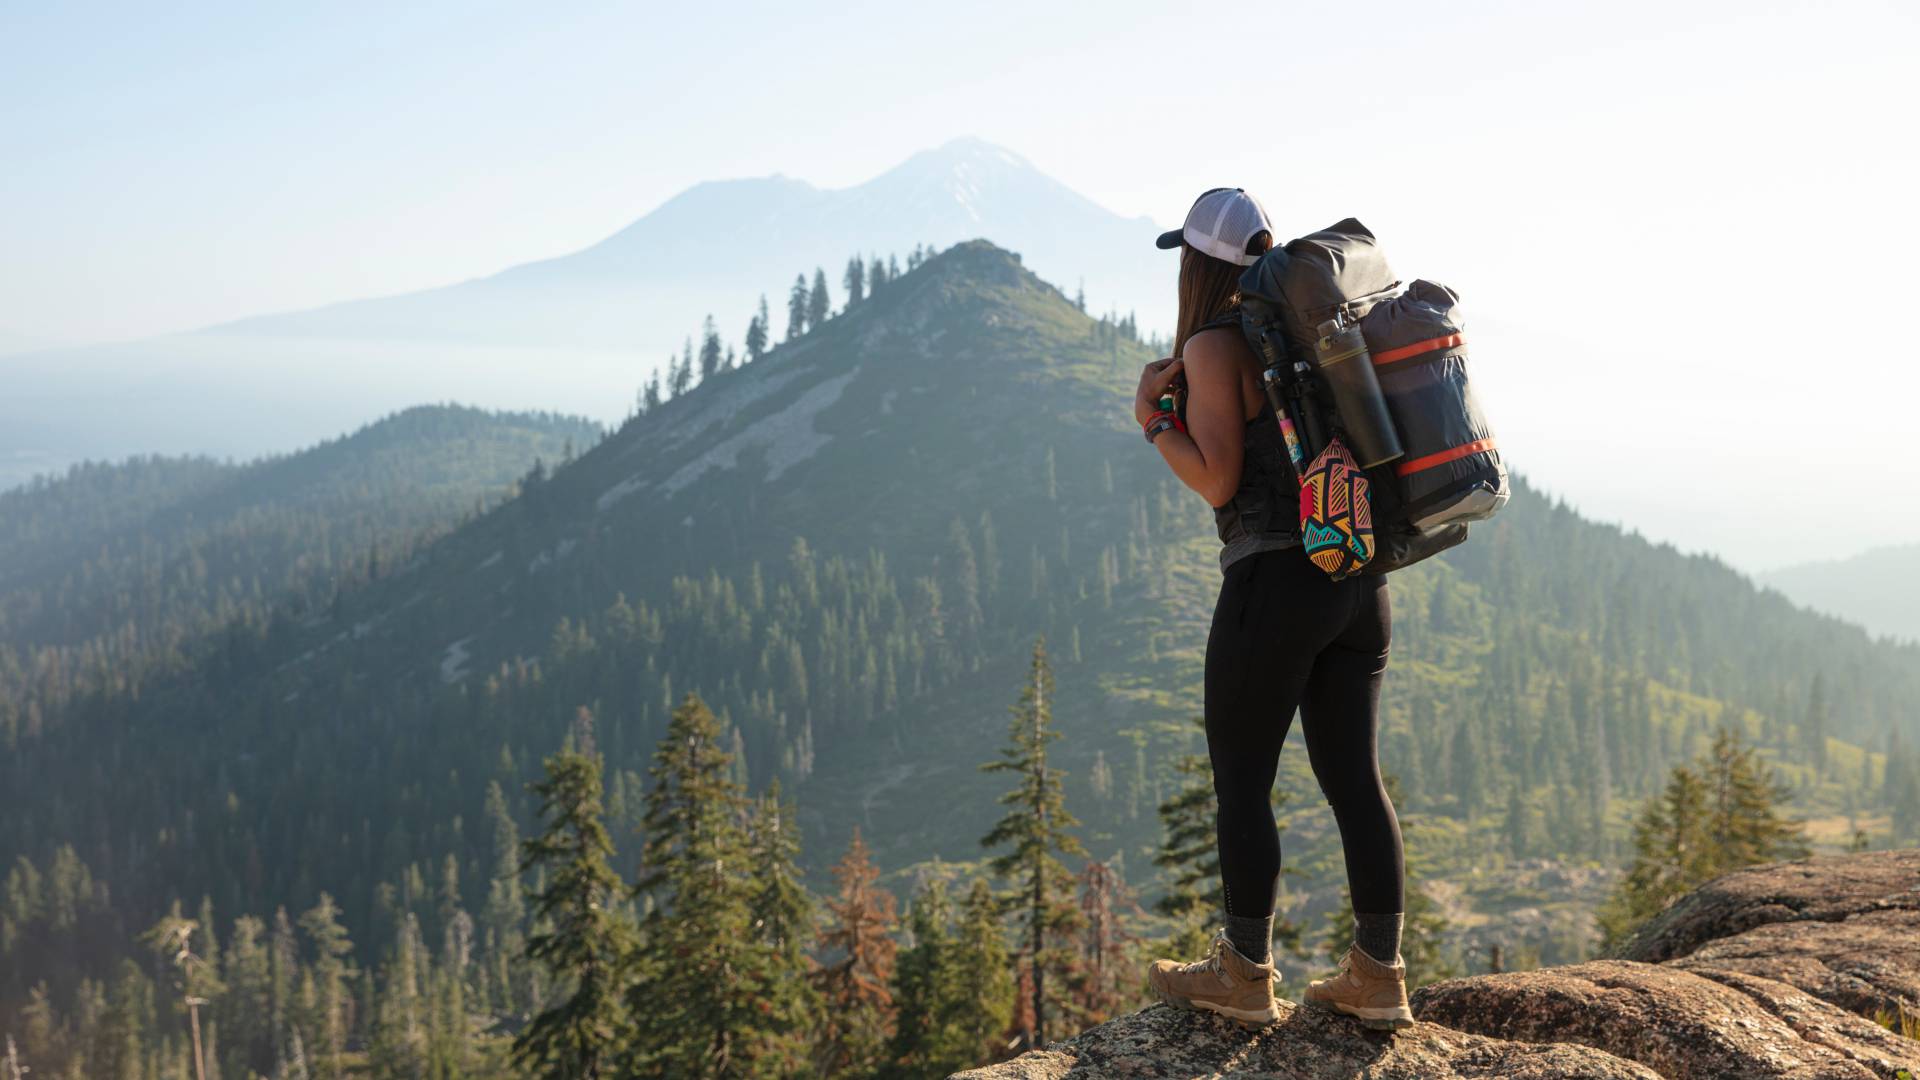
x=1157 y=425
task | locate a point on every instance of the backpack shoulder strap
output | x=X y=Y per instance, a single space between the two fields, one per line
x=1230 y=319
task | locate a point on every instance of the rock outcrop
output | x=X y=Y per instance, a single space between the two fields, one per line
x=1844 y=928
x=1771 y=971
x=1677 y=1022
x=1304 y=1044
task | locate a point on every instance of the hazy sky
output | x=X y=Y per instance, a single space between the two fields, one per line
x=1693 y=217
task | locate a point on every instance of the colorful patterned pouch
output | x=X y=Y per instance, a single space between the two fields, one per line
x=1336 y=519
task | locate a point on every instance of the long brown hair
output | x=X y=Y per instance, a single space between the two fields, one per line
x=1209 y=288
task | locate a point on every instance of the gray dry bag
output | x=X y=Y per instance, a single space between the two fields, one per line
x=1348 y=350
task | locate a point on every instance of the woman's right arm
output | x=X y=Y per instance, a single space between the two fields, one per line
x=1207 y=457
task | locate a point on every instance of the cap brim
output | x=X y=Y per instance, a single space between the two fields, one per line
x=1170 y=239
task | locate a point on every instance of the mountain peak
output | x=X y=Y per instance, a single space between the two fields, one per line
x=971 y=148
x=965 y=182
x=977 y=258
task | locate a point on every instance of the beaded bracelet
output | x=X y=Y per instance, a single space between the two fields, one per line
x=1167 y=412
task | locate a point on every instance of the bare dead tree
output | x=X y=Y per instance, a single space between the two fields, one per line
x=15 y=1070
x=173 y=937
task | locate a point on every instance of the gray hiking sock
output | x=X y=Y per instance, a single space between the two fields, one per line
x=1378 y=935
x=1252 y=936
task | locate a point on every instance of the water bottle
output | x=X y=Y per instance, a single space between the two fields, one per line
x=1342 y=357
x=1313 y=433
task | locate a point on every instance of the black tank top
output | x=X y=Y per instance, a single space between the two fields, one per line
x=1264 y=513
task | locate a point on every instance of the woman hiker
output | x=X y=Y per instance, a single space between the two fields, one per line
x=1284 y=636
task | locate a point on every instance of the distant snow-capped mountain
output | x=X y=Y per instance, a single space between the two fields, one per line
x=578 y=333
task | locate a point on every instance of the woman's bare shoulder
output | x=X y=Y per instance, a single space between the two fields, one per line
x=1221 y=357
x=1221 y=345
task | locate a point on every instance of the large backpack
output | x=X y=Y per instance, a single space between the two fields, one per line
x=1450 y=472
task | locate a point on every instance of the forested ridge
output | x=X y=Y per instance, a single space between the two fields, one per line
x=845 y=546
x=115 y=571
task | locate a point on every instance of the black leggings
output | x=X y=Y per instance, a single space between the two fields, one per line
x=1285 y=635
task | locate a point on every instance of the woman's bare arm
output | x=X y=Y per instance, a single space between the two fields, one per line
x=1207 y=457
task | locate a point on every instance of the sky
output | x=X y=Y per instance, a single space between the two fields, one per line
x=1682 y=230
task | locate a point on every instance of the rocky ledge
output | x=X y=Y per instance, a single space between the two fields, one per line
x=1844 y=928
x=1304 y=1044
x=1771 y=971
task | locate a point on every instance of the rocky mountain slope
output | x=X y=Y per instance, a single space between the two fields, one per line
x=1771 y=971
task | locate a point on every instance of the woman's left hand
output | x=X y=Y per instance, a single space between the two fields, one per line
x=1154 y=380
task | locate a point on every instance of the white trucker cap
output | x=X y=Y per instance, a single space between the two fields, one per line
x=1222 y=223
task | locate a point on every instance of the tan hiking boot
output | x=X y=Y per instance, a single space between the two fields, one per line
x=1225 y=982
x=1366 y=988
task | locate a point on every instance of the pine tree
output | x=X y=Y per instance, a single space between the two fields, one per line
x=982 y=984
x=922 y=987
x=710 y=349
x=1516 y=827
x=129 y=1017
x=1189 y=852
x=965 y=585
x=798 y=304
x=506 y=908
x=1717 y=814
x=679 y=376
x=291 y=1064
x=989 y=556
x=758 y=330
x=399 y=1046
x=1744 y=822
x=246 y=1010
x=782 y=913
x=1672 y=853
x=703 y=973
x=1814 y=731
x=1900 y=791
x=332 y=970
x=205 y=940
x=856 y=999
x=1037 y=826
x=450 y=1048
x=584 y=941
x=284 y=973
x=876 y=275
x=1468 y=778
x=819 y=304
x=855 y=279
